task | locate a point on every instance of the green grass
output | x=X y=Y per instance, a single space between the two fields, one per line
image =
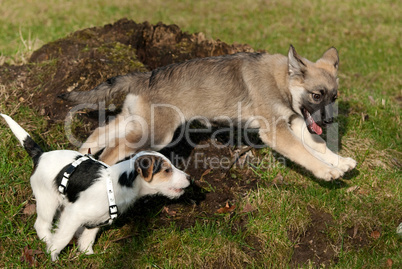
x=367 y=35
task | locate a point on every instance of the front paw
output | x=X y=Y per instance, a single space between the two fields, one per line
x=328 y=173
x=87 y=251
x=53 y=253
x=55 y=256
x=346 y=164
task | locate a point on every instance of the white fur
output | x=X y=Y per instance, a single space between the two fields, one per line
x=18 y=131
x=336 y=165
x=296 y=92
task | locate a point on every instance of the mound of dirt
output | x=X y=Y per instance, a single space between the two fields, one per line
x=88 y=57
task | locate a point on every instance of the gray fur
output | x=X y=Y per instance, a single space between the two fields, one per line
x=109 y=90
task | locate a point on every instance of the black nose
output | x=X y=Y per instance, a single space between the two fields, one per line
x=327 y=114
x=188 y=177
x=328 y=120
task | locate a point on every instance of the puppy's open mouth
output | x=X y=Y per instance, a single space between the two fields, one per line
x=176 y=190
x=312 y=126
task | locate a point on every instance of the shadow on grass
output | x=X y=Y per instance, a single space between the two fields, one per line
x=342 y=120
x=139 y=222
x=183 y=146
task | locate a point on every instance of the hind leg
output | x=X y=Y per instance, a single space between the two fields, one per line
x=100 y=138
x=105 y=136
x=69 y=223
x=46 y=208
x=150 y=131
x=124 y=147
x=86 y=240
x=134 y=142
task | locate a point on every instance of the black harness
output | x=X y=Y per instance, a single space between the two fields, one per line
x=113 y=210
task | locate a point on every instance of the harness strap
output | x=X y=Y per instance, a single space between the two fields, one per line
x=69 y=171
x=113 y=210
x=110 y=195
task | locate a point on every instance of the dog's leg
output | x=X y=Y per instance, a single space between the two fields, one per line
x=318 y=147
x=113 y=154
x=69 y=223
x=120 y=137
x=92 y=141
x=134 y=113
x=280 y=137
x=43 y=227
x=150 y=131
x=46 y=208
x=86 y=240
x=102 y=136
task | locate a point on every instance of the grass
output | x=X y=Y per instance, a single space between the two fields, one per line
x=367 y=35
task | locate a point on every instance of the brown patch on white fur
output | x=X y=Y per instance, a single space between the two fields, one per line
x=165 y=172
x=159 y=173
x=151 y=168
x=145 y=166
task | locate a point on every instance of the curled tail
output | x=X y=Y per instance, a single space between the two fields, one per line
x=115 y=88
x=25 y=139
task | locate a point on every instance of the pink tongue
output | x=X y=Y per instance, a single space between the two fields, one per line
x=312 y=126
x=317 y=129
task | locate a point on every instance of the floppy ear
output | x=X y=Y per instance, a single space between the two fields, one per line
x=296 y=65
x=331 y=57
x=144 y=166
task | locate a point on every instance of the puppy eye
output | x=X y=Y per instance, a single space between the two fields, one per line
x=168 y=170
x=316 y=96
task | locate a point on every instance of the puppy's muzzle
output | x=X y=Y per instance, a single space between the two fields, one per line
x=327 y=114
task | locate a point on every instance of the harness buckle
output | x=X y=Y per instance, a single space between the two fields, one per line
x=113 y=211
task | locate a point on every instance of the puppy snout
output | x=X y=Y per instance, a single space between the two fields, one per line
x=188 y=177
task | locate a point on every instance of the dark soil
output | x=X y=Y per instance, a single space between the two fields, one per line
x=88 y=57
x=314 y=245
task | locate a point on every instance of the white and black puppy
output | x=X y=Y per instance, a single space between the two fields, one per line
x=85 y=202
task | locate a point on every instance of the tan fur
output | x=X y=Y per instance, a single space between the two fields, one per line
x=164 y=169
x=165 y=174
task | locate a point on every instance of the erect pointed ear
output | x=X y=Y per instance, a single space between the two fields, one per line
x=144 y=166
x=296 y=65
x=331 y=57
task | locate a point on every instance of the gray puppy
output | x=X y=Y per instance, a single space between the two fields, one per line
x=277 y=94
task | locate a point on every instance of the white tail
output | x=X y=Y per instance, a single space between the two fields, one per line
x=18 y=131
